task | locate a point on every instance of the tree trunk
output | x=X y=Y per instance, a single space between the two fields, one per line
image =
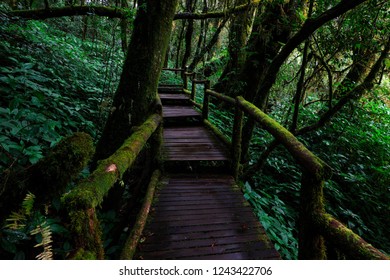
x=188 y=37
x=179 y=43
x=265 y=81
x=264 y=44
x=238 y=35
x=123 y=24
x=137 y=90
x=208 y=47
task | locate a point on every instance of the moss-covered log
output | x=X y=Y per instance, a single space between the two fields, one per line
x=133 y=239
x=310 y=162
x=50 y=176
x=89 y=194
x=345 y=239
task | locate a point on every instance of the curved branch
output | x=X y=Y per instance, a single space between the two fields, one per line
x=308 y=28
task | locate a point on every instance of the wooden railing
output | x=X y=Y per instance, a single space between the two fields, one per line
x=82 y=201
x=314 y=223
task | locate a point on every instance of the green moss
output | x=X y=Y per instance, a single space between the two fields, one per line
x=86 y=231
x=345 y=239
x=90 y=192
x=300 y=153
x=84 y=255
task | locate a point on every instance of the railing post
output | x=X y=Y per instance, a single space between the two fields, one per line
x=193 y=89
x=310 y=242
x=236 y=140
x=185 y=78
x=206 y=97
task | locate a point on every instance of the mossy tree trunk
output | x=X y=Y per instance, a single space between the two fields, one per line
x=271 y=29
x=238 y=35
x=260 y=90
x=137 y=90
x=50 y=176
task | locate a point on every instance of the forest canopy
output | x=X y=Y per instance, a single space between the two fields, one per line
x=88 y=71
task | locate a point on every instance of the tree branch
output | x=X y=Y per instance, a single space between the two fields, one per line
x=117 y=12
x=355 y=93
x=70 y=11
x=217 y=14
x=308 y=28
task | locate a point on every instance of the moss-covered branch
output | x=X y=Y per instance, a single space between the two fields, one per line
x=116 y=12
x=217 y=14
x=83 y=199
x=50 y=176
x=70 y=11
x=350 y=243
x=301 y=154
x=133 y=239
x=90 y=192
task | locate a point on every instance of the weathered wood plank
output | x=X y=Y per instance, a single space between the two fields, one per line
x=193 y=144
x=173 y=96
x=179 y=111
x=203 y=218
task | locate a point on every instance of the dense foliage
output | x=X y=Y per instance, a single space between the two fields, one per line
x=57 y=77
x=52 y=84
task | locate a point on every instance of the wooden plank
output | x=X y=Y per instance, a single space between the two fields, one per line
x=194 y=243
x=201 y=199
x=180 y=111
x=268 y=254
x=193 y=144
x=184 y=253
x=156 y=237
x=195 y=215
x=173 y=96
x=192 y=213
x=162 y=229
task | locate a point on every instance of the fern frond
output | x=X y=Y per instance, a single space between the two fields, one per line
x=28 y=203
x=16 y=221
x=45 y=232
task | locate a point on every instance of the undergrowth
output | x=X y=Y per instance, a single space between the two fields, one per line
x=52 y=84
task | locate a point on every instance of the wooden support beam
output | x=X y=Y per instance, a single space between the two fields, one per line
x=131 y=244
x=206 y=100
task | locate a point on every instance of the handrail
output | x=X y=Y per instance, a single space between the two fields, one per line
x=132 y=241
x=87 y=195
x=222 y=97
x=314 y=223
x=300 y=153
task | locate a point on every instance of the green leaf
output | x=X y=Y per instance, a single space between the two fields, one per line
x=8 y=246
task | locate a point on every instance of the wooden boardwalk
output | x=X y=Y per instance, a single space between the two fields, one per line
x=192 y=143
x=199 y=215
